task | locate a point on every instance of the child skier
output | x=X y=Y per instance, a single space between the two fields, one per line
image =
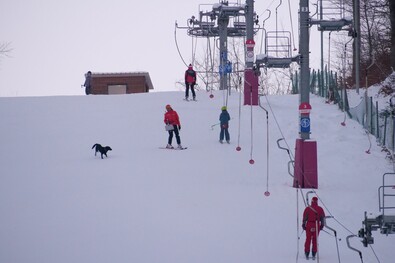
x=224 y=118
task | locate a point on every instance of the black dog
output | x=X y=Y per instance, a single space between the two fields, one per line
x=101 y=149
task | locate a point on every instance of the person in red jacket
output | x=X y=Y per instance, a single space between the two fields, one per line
x=190 y=81
x=313 y=222
x=171 y=118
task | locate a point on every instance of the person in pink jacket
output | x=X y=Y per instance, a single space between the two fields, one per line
x=313 y=222
x=171 y=118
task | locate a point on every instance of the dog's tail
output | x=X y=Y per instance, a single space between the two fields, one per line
x=94 y=145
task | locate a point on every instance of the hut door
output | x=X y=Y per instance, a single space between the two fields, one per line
x=116 y=89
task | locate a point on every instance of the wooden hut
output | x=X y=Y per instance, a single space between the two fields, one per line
x=120 y=83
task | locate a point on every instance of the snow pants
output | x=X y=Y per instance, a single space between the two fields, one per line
x=187 y=86
x=311 y=237
x=224 y=133
x=175 y=131
x=88 y=90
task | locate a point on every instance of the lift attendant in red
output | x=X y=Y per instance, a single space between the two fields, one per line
x=313 y=222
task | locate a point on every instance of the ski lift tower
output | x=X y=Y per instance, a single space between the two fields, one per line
x=306 y=169
x=205 y=26
x=250 y=78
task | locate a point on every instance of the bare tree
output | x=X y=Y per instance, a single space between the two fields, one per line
x=375 y=39
x=5 y=49
x=392 y=21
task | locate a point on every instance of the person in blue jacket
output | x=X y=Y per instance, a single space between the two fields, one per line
x=224 y=119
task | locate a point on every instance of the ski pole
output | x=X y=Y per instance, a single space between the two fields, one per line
x=212 y=126
x=316 y=239
x=301 y=233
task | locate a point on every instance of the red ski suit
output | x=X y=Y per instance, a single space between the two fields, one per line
x=313 y=222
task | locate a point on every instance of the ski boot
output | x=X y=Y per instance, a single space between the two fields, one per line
x=313 y=255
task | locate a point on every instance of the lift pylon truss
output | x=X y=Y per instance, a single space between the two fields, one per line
x=206 y=25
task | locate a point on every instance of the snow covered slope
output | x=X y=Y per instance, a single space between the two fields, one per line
x=59 y=203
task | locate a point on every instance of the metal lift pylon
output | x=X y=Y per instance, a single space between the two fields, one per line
x=223 y=20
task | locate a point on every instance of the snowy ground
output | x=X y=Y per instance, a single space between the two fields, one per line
x=59 y=203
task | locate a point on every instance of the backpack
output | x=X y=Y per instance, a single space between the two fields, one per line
x=190 y=76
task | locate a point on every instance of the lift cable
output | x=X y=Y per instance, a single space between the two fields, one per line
x=281 y=2
x=194 y=45
x=292 y=27
x=299 y=190
x=267 y=193
x=238 y=148
x=264 y=30
x=178 y=49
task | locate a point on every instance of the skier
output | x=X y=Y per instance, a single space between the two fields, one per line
x=87 y=84
x=313 y=222
x=190 y=81
x=224 y=118
x=171 y=118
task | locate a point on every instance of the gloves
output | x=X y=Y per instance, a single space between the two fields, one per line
x=179 y=127
x=304 y=227
x=321 y=227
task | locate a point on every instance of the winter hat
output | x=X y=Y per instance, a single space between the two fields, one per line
x=168 y=107
x=314 y=200
x=223 y=108
x=190 y=66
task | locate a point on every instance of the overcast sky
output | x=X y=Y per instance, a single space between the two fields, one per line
x=55 y=42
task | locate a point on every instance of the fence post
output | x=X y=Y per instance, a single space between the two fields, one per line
x=377 y=120
x=371 y=115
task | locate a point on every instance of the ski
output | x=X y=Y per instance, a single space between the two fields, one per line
x=195 y=100
x=307 y=258
x=177 y=149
